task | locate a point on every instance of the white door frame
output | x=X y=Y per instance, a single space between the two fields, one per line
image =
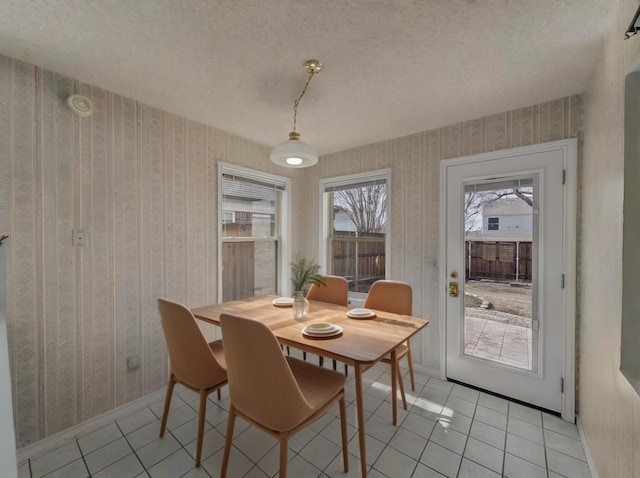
x=569 y=150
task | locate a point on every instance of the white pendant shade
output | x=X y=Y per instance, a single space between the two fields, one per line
x=294 y=153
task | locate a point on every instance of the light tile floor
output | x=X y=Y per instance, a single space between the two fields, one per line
x=449 y=430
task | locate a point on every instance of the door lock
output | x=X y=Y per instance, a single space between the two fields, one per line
x=453 y=289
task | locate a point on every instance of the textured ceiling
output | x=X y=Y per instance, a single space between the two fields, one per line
x=392 y=67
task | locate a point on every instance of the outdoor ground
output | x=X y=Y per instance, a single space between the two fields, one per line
x=505 y=298
x=501 y=333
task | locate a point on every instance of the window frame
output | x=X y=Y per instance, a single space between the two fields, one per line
x=283 y=221
x=325 y=218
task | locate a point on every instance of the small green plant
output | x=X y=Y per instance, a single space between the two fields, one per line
x=304 y=273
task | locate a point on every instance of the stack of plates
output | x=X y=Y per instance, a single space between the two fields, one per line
x=322 y=329
x=361 y=314
x=283 y=302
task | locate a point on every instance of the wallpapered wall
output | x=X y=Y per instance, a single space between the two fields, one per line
x=609 y=406
x=143 y=184
x=415 y=188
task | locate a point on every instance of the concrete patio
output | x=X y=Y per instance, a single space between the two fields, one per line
x=499 y=337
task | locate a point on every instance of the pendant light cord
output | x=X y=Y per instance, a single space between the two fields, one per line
x=297 y=102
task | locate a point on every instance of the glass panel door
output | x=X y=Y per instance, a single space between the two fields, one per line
x=504 y=306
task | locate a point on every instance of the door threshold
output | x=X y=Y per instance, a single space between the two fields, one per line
x=514 y=400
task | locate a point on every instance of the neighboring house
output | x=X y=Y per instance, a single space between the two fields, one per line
x=506 y=213
x=342 y=222
x=247 y=218
x=247 y=209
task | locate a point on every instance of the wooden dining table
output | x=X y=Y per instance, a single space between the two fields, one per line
x=362 y=343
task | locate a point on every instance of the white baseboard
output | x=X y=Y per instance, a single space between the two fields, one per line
x=587 y=452
x=65 y=436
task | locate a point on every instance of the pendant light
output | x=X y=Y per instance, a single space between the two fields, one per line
x=295 y=153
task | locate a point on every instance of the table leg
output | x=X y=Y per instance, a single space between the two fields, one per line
x=361 y=433
x=394 y=386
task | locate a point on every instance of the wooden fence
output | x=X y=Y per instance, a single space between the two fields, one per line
x=360 y=259
x=498 y=260
x=238 y=270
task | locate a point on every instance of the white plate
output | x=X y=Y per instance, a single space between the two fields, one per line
x=327 y=332
x=360 y=313
x=320 y=327
x=283 y=302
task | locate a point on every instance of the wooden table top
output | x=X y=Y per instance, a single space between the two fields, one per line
x=363 y=341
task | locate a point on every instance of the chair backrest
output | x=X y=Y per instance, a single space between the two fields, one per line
x=192 y=360
x=390 y=296
x=335 y=291
x=261 y=384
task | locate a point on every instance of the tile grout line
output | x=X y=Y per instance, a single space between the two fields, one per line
x=83 y=459
x=466 y=442
x=432 y=431
x=183 y=446
x=75 y=440
x=504 y=452
x=399 y=426
x=506 y=436
x=144 y=468
x=544 y=444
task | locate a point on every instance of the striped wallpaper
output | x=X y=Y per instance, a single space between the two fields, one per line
x=143 y=184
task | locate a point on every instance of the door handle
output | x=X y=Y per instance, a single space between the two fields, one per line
x=453 y=289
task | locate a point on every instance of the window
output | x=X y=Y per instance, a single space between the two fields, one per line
x=354 y=235
x=228 y=217
x=493 y=224
x=252 y=221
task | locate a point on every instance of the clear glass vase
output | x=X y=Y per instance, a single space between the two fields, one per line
x=300 y=305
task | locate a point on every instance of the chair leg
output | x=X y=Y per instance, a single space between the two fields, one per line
x=401 y=382
x=227 y=441
x=219 y=397
x=201 y=414
x=335 y=365
x=167 y=404
x=321 y=360
x=410 y=360
x=304 y=355
x=346 y=370
x=343 y=426
x=284 y=449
